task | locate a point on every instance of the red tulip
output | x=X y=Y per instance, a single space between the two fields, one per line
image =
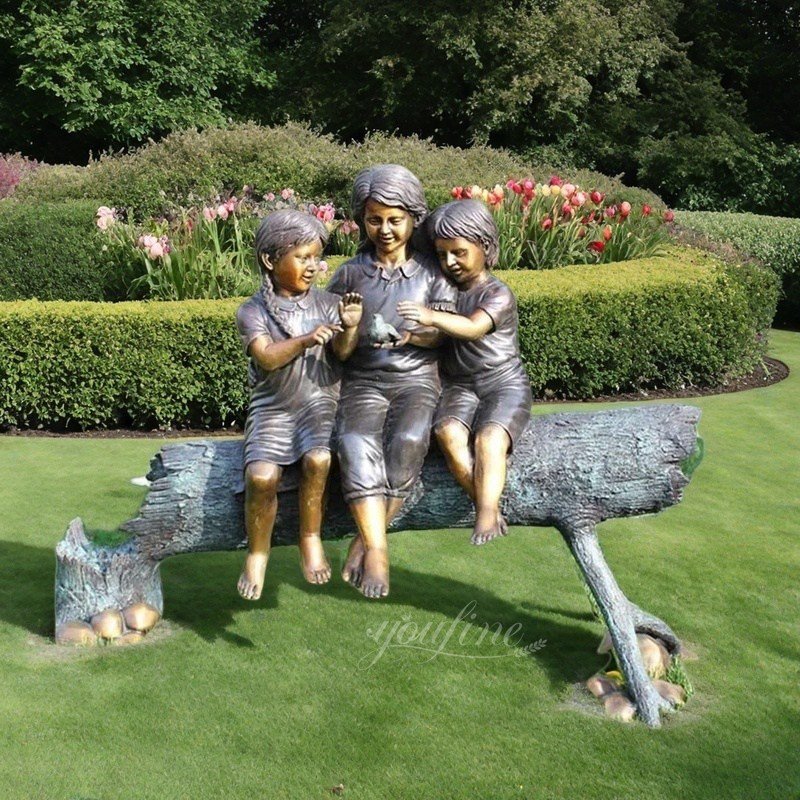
x=607 y=233
x=555 y=180
x=457 y=192
x=646 y=210
x=596 y=197
x=567 y=210
x=547 y=223
x=597 y=247
x=669 y=216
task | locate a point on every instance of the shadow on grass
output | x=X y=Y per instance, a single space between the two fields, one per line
x=200 y=594
x=208 y=607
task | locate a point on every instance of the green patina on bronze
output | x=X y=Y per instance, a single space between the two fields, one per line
x=692 y=461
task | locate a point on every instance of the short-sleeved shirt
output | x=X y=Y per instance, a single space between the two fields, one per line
x=419 y=279
x=468 y=360
x=313 y=372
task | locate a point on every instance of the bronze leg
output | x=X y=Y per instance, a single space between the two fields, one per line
x=453 y=439
x=370 y=516
x=491 y=449
x=260 y=508
x=315 y=467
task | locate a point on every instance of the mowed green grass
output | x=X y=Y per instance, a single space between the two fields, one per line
x=274 y=700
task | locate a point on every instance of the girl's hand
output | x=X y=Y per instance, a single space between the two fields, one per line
x=415 y=312
x=322 y=334
x=401 y=342
x=351 y=307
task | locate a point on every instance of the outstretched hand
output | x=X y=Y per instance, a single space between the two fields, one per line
x=322 y=334
x=351 y=307
x=415 y=312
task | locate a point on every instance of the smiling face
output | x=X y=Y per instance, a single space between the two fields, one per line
x=388 y=228
x=462 y=260
x=294 y=272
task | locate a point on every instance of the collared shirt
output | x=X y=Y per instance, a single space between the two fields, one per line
x=418 y=279
x=312 y=372
x=495 y=350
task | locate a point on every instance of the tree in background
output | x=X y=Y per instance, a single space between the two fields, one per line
x=110 y=73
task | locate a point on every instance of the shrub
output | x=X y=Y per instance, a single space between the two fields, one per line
x=775 y=241
x=13 y=168
x=186 y=166
x=584 y=330
x=50 y=251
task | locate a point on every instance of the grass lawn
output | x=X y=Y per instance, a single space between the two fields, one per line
x=275 y=700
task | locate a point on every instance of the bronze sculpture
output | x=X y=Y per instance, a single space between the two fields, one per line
x=486 y=396
x=390 y=388
x=286 y=328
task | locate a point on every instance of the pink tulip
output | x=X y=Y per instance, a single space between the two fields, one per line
x=579 y=199
x=231 y=205
x=527 y=186
x=624 y=209
x=596 y=197
x=147 y=241
x=607 y=233
x=581 y=233
x=104 y=221
x=567 y=189
x=209 y=214
x=567 y=210
x=287 y=193
x=104 y=211
x=555 y=180
x=669 y=216
x=269 y=197
x=156 y=251
x=646 y=210
x=610 y=212
x=222 y=211
x=547 y=223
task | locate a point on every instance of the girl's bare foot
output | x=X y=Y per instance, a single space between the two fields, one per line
x=251 y=581
x=316 y=568
x=353 y=569
x=375 y=580
x=482 y=534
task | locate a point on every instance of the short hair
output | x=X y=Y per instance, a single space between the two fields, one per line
x=391 y=185
x=470 y=220
x=282 y=230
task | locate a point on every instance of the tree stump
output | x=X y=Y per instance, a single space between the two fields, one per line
x=570 y=471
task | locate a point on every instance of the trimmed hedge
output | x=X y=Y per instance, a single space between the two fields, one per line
x=773 y=240
x=192 y=165
x=51 y=251
x=685 y=319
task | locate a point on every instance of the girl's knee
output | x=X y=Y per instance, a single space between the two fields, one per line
x=262 y=477
x=317 y=461
x=450 y=433
x=493 y=438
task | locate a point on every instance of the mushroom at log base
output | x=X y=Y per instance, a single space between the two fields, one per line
x=570 y=471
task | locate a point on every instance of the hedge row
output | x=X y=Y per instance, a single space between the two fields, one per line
x=186 y=166
x=51 y=251
x=773 y=240
x=686 y=319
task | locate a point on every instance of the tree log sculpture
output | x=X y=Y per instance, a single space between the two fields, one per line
x=570 y=471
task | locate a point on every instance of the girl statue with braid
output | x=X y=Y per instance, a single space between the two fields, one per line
x=390 y=386
x=291 y=331
x=486 y=395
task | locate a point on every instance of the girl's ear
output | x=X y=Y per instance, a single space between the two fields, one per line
x=265 y=262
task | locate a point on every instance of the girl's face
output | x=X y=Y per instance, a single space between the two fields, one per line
x=462 y=260
x=294 y=272
x=388 y=228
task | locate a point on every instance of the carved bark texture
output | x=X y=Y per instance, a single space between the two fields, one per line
x=570 y=471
